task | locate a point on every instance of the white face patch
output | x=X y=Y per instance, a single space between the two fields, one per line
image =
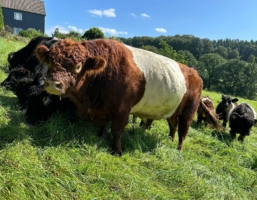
x=165 y=85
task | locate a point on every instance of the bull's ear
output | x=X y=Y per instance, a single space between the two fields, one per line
x=97 y=64
x=42 y=53
x=234 y=100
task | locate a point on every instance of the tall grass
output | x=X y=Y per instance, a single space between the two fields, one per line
x=62 y=160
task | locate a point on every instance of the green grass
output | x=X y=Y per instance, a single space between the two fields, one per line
x=59 y=160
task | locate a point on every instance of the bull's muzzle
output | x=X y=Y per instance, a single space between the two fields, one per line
x=54 y=87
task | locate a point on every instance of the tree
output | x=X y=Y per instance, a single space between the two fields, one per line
x=1 y=18
x=209 y=69
x=233 y=54
x=58 y=34
x=93 y=33
x=151 y=48
x=233 y=78
x=74 y=35
x=222 y=51
x=191 y=60
x=167 y=51
x=207 y=46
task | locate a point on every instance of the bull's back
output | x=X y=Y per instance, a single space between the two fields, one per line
x=165 y=85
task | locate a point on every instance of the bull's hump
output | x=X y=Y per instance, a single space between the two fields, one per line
x=165 y=84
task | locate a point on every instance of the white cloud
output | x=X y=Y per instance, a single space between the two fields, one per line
x=162 y=30
x=145 y=15
x=132 y=14
x=112 y=32
x=107 y=13
x=62 y=29
x=74 y=28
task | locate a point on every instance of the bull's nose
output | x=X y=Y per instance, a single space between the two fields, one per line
x=57 y=85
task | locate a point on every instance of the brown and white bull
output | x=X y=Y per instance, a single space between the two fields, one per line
x=108 y=80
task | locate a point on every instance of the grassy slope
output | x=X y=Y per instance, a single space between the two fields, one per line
x=59 y=160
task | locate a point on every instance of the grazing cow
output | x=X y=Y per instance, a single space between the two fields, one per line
x=241 y=119
x=108 y=80
x=41 y=106
x=207 y=113
x=223 y=108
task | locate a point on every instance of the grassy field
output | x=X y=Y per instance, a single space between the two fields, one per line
x=59 y=160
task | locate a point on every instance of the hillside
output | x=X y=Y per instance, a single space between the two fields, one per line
x=62 y=160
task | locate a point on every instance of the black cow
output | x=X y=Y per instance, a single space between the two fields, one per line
x=26 y=57
x=26 y=79
x=20 y=80
x=224 y=107
x=241 y=120
x=41 y=105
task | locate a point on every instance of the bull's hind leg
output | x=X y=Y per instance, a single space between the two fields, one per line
x=173 y=125
x=185 y=119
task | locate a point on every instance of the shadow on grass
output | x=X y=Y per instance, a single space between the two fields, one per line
x=58 y=130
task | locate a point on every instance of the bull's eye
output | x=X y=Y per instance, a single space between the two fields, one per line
x=77 y=68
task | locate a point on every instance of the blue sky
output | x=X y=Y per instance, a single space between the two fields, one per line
x=213 y=19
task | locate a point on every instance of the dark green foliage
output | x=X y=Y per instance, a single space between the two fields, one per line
x=93 y=33
x=191 y=60
x=151 y=48
x=74 y=35
x=1 y=18
x=209 y=69
x=167 y=51
x=58 y=34
x=30 y=33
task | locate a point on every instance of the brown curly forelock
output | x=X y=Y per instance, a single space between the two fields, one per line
x=67 y=53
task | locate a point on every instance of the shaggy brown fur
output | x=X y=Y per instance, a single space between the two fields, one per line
x=207 y=114
x=102 y=79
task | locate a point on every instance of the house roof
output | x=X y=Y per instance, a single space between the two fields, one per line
x=33 y=6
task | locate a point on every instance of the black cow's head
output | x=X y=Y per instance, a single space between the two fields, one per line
x=22 y=57
x=225 y=103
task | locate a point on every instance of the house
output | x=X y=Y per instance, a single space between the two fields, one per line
x=24 y=14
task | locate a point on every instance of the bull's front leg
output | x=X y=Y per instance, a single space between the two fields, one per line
x=241 y=138
x=117 y=129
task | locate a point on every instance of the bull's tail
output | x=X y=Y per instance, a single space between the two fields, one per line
x=211 y=117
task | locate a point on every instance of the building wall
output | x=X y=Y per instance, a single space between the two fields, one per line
x=29 y=20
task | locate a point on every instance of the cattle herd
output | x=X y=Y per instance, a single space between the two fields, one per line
x=104 y=81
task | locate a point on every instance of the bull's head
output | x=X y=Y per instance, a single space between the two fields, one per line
x=68 y=63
